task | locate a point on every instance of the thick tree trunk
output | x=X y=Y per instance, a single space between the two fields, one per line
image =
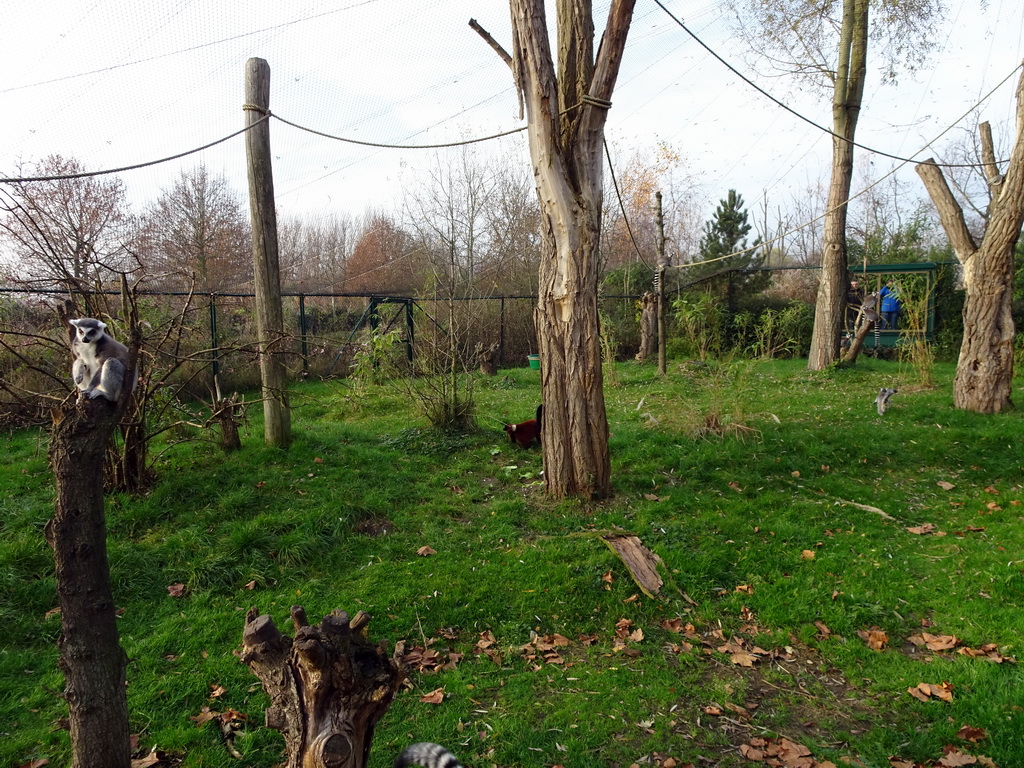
x=328 y=687
x=566 y=115
x=984 y=372
x=830 y=306
x=90 y=653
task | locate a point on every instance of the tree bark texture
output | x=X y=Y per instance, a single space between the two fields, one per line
x=91 y=656
x=830 y=307
x=328 y=687
x=648 y=326
x=566 y=116
x=266 y=271
x=984 y=372
x=868 y=317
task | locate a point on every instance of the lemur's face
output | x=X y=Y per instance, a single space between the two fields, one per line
x=88 y=332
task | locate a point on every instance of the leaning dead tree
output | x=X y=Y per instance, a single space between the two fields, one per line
x=91 y=656
x=984 y=372
x=328 y=686
x=566 y=112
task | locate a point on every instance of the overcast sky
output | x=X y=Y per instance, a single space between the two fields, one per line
x=119 y=82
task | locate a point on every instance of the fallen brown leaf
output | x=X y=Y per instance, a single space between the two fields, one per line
x=972 y=734
x=436 y=696
x=927 y=691
x=875 y=638
x=426 y=551
x=176 y=590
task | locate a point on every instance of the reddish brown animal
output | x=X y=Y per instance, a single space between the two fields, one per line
x=526 y=432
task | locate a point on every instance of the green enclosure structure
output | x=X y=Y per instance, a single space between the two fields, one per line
x=915 y=284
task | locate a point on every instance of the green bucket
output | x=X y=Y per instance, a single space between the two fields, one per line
x=534 y=361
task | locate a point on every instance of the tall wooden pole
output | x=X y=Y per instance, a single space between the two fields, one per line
x=266 y=274
x=659 y=279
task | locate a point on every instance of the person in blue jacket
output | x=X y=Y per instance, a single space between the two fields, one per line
x=891 y=308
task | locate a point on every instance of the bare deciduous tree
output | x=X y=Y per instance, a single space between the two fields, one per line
x=566 y=110
x=67 y=233
x=197 y=229
x=984 y=373
x=825 y=42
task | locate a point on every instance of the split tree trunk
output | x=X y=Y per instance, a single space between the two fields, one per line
x=566 y=114
x=830 y=307
x=91 y=656
x=984 y=372
x=328 y=687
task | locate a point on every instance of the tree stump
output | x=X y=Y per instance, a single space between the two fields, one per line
x=328 y=686
x=487 y=358
x=226 y=412
x=648 y=325
x=91 y=656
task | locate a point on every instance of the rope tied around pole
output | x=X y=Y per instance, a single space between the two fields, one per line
x=596 y=102
x=255 y=108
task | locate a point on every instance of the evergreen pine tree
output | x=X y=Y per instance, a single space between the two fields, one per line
x=726 y=233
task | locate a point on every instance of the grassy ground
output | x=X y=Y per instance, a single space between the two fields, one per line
x=781 y=504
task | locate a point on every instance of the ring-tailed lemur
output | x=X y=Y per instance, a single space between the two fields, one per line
x=882 y=401
x=100 y=362
x=427 y=755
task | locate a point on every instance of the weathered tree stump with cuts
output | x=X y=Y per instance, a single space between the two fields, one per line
x=328 y=686
x=487 y=358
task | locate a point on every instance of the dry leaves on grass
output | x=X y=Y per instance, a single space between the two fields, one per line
x=426 y=551
x=928 y=529
x=486 y=645
x=176 y=590
x=545 y=649
x=929 y=691
x=875 y=638
x=421 y=658
x=939 y=643
x=624 y=635
x=781 y=753
x=951 y=758
x=436 y=696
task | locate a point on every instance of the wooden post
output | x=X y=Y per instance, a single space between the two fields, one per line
x=659 y=280
x=266 y=274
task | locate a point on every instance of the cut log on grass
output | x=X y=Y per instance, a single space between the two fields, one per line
x=328 y=686
x=641 y=562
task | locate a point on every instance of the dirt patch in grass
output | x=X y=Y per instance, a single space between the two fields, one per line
x=790 y=693
x=375 y=527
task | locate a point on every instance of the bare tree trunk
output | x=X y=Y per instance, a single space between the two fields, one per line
x=984 y=372
x=648 y=326
x=566 y=114
x=91 y=657
x=830 y=306
x=328 y=687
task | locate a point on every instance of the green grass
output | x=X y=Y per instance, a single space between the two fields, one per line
x=336 y=520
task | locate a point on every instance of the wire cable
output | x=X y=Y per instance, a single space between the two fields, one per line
x=87 y=174
x=462 y=143
x=793 y=112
